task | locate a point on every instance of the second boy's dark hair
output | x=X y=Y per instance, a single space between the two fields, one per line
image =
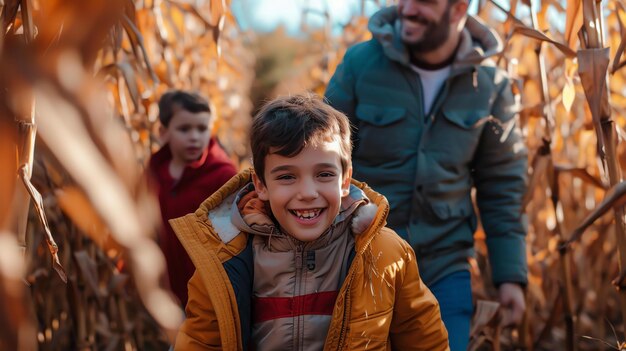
x=288 y=124
x=178 y=99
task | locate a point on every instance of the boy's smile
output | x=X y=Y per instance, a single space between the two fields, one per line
x=305 y=191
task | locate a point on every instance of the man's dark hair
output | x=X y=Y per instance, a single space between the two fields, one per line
x=286 y=125
x=178 y=99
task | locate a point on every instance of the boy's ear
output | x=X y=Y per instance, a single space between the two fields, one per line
x=260 y=188
x=163 y=134
x=345 y=185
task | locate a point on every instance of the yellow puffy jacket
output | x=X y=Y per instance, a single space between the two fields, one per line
x=383 y=272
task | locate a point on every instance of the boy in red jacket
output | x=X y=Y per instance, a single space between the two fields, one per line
x=187 y=169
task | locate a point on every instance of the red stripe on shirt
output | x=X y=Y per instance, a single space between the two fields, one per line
x=269 y=308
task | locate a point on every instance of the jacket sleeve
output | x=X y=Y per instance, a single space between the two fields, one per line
x=500 y=167
x=416 y=323
x=200 y=330
x=340 y=91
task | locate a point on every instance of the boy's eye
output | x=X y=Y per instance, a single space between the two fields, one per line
x=327 y=174
x=285 y=177
x=203 y=128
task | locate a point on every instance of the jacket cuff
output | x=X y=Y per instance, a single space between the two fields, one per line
x=507 y=257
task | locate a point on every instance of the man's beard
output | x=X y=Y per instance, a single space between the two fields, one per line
x=434 y=36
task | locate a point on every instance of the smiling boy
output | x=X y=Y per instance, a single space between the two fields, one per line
x=186 y=170
x=294 y=255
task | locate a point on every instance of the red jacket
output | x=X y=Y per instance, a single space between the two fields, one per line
x=177 y=198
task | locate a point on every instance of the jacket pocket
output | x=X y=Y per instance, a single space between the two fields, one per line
x=466 y=118
x=445 y=210
x=379 y=116
x=371 y=331
x=383 y=133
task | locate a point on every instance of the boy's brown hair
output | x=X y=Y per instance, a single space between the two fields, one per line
x=286 y=125
x=179 y=99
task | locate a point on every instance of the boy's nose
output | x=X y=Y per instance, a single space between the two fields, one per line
x=194 y=134
x=308 y=193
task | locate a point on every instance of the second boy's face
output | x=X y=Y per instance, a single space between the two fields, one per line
x=188 y=135
x=305 y=191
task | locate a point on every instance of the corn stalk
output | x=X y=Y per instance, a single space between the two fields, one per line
x=27 y=130
x=593 y=63
x=545 y=152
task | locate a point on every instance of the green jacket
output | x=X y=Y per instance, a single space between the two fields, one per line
x=427 y=165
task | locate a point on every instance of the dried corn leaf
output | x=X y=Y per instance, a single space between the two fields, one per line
x=38 y=202
x=535 y=34
x=621 y=17
x=79 y=209
x=582 y=174
x=9 y=13
x=573 y=21
x=615 y=197
x=569 y=95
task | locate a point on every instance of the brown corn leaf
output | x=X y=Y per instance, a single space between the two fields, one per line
x=137 y=40
x=78 y=208
x=128 y=73
x=569 y=94
x=485 y=313
x=131 y=82
x=9 y=12
x=510 y=16
x=615 y=197
x=38 y=202
x=592 y=69
x=582 y=174
x=217 y=30
x=621 y=17
x=573 y=21
x=485 y=325
x=539 y=168
x=535 y=34
x=27 y=19
x=8 y=169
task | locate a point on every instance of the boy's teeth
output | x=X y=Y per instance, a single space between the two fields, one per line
x=307 y=214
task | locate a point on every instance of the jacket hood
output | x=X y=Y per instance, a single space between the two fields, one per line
x=253 y=215
x=478 y=41
x=236 y=208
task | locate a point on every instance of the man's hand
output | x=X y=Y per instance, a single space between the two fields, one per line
x=513 y=303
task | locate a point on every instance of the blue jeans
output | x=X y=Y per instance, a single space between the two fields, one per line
x=454 y=293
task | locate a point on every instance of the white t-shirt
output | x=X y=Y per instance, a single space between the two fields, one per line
x=432 y=81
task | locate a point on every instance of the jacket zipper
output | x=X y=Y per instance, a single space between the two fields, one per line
x=348 y=302
x=299 y=258
x=346 y=309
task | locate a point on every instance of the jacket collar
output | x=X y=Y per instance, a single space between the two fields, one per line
x=219 y=209
x=478 y=41
x=164 y=155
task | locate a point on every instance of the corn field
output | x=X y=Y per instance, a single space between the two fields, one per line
x=80 y=81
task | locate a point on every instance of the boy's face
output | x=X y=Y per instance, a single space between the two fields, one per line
x=188 y=135
x=305 y=191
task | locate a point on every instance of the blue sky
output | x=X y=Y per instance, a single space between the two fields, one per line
x=266 y=15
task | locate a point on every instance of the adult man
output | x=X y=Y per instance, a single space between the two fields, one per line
x=433 y=119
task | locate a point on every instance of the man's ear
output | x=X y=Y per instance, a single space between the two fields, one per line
x=163 y=134
x=347 y=180
x=260 y=188
x=459 y=11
